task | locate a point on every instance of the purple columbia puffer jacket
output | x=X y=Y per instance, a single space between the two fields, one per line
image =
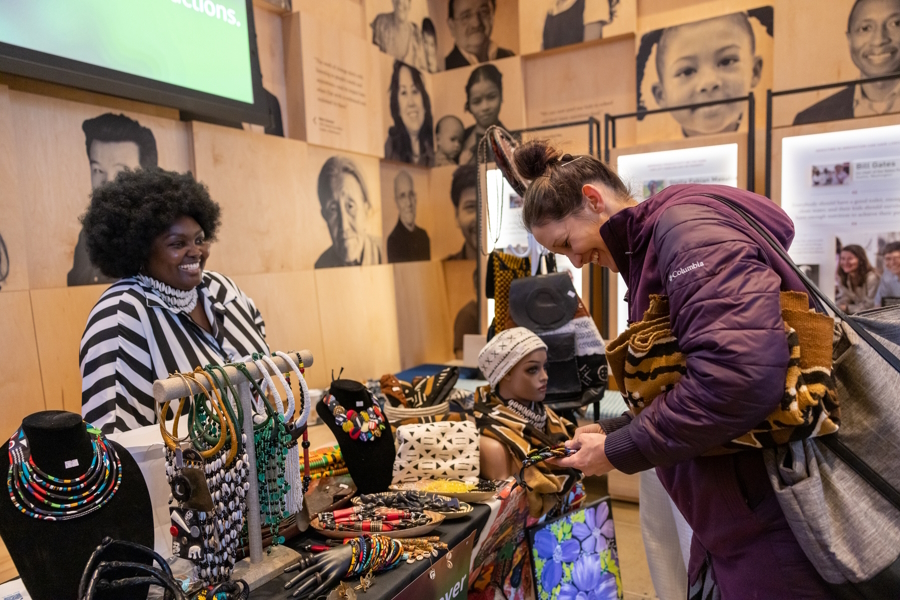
x=723 y=283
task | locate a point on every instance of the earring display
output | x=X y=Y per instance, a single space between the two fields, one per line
x=42 y=496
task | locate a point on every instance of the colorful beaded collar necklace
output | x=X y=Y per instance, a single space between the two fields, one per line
x=42 y=496
x=364 y=426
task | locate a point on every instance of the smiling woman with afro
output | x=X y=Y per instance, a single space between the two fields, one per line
x=152 y=229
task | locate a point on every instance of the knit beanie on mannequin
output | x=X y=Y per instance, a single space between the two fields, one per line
x=505 y=351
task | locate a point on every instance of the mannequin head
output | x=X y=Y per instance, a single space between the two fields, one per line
x=527 y=381
x=515 y=364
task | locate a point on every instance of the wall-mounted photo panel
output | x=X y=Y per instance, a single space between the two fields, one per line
x=839 y=188
x=13 y=253
x=348 y=15
x=271 y=65
x=334 y=82
x=717 y=58
x=63 y=151
x=408 y=113
x=649 y=169
x=407 y=213
x=455 y=208
x=267 y=202
x=462 y=304
x=21 y=392
x=468 y=101
x=347 y=224
x=550 y=24
x=405 y=31
x=610 y=90
x=470 y=32
x=853 y=40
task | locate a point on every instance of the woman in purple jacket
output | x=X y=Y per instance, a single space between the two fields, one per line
x=723 y=283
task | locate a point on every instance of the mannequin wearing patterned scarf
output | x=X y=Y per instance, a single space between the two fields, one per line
x=513 y=420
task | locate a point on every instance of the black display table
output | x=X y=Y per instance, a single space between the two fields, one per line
x=387 y=585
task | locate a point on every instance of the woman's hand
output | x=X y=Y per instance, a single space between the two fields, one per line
x=590 y=457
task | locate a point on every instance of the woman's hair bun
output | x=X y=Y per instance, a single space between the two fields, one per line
x=533 y=158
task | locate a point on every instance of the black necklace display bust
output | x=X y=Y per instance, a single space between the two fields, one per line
x=371 y=464
x=50 y=555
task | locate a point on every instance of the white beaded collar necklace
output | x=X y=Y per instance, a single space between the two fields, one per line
x=173 y=298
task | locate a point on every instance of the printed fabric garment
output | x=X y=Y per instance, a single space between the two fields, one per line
x=133 y=338
x=502 y=269
x=646 y=362
x=546 y=486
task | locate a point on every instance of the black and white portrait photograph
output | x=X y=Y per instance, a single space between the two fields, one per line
x=718 y=58
x=113 y=143
x=454 y=202
x=348 y=190
x=549 y=24
x=406 y=213
x=872 y=43
x=404 y=29
x=468 y=101
x=471 y=32
x=409 y=119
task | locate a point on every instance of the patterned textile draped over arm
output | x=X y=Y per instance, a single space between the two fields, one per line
x=724 y=299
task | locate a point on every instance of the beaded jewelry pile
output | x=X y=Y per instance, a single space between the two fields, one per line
x=364 y=426
x=371 y=518
x=373 y=554
x=206 y=528
x=42 y=496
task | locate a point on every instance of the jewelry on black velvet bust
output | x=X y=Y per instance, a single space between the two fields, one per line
x=42 y=496
x=174 y=298
x=365 y=426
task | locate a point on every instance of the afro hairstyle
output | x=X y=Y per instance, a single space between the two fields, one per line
x=125 y=216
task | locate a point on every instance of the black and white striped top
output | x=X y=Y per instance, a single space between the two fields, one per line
x=132 y=339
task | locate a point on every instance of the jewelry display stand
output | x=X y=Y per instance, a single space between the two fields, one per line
x=259 y=568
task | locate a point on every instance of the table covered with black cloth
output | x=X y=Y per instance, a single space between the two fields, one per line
x=389 y=584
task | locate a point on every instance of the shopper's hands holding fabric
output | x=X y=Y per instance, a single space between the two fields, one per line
x=590 y=457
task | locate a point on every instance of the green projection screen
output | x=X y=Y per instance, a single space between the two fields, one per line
x=195 y=55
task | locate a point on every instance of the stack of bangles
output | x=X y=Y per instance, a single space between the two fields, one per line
x=362 y=518
x=373 y=554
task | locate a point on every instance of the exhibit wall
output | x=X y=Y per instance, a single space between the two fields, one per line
x=394 y=105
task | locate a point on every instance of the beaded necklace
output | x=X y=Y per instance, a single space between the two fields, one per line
x=364 y=426
x=42 y=496
x=184 y=300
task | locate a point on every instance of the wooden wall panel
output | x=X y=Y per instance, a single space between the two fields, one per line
x=21 y=391
x=609 y=89
x=603 y=25
x=261 y=184
x=55 y=174
x=423 y=316
x=347 y=15
x=271 y=57
x=60 y=316
x=505 y=32
x=666 y=126
x=13 y=253
x=450 y=95
x=390 y=172
x=460 y=278
x=317 y=239
x=359 y=321
x=290 y=306
x=449 y=237
x=338 y=76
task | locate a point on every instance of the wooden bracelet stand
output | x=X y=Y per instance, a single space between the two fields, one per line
x=258 y=569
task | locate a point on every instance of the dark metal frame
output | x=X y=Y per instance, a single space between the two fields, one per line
x=77 y=74
x=750 y=99
x=770 y=95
